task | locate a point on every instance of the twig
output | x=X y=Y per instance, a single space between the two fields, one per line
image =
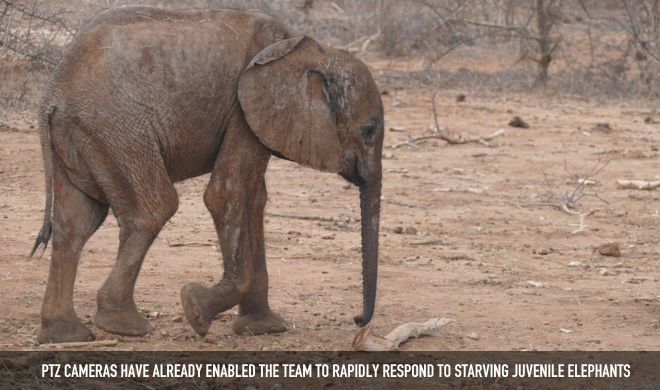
x=427 y=242
x=401 y=203
x=194 y=244
x=570 y=199
x=581 y=182
x=568 y=202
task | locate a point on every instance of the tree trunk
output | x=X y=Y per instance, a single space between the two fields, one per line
x=545 y=50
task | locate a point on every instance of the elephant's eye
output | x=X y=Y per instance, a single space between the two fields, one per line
x=368 y=131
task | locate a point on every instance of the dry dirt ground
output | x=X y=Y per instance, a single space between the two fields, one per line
x=474 y=237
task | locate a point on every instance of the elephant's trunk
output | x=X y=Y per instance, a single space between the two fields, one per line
x=370 y=209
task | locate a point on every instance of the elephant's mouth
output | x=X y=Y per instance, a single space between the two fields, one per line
x=351 y=172
x=354 y=179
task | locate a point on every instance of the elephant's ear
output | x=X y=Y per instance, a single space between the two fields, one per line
x=291 y=104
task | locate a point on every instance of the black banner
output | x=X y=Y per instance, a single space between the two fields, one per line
x=321 y=370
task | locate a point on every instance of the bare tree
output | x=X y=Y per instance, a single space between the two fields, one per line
x=540 y=44
x=461 y=23
x=642 y=21
x=639 y=22
x=546 y=47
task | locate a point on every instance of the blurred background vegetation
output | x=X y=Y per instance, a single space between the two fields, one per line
x=605 y=49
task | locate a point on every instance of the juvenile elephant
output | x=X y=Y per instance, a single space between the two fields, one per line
x=146 y=97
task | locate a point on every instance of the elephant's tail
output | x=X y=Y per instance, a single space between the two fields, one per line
x=47 y=151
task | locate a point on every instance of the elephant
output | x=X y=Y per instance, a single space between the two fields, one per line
x=145 y=97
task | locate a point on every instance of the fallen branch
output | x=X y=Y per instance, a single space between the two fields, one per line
x=81 y=344
x=638 y=184
x=365 y=340
x=450 y=138
x=447 y=136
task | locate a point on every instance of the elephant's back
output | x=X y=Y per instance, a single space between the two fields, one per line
x=145 y=14
x=143 y=37
x=139 y=51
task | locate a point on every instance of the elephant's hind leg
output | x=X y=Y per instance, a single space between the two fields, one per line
x=143 y=198
x=75 y=218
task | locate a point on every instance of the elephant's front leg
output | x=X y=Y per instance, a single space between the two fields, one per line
x=255 y=315
x=236 y=197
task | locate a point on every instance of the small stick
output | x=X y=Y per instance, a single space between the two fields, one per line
x=81 y=344
x=303 y=217
x=402 y=203
x=198 y=244
x=427 y=242
x=470 y=190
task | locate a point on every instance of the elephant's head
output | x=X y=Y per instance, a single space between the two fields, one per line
x=321 y=108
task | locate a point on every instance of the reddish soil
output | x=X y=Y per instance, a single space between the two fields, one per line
x=480 y=237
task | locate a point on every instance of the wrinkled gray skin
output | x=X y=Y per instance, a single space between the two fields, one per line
x=145 y=98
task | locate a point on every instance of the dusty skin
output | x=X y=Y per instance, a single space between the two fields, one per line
x=481 y=237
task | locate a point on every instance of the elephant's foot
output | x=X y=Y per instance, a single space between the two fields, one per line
x=260 y=323
x=195 y=300
x=64 y=331
x=124 y=320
